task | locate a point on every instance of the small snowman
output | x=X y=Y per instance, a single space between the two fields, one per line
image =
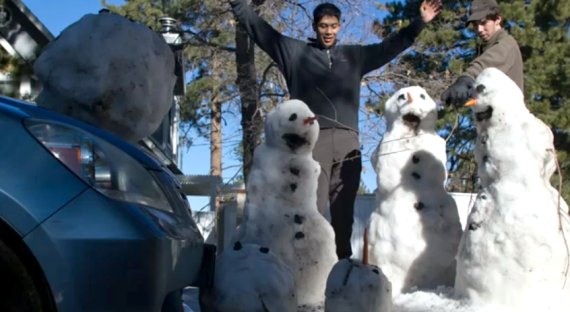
x=281 y=205
x=250 y=278
x=415 y=228
x=358 y=286
x=514 y=252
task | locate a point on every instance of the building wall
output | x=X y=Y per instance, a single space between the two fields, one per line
x=364 y=206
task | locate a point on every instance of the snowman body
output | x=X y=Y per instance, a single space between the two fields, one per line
x=415 y=228
x=281 y=205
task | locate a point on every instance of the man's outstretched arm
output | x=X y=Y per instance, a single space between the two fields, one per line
x=278 y=46
x=376 y=55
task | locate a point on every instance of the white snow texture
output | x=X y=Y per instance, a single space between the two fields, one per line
x=357 y=287
x=108 y=71
x=281 y=206
x=512 y=256
x=514 y=251
x=250 y=278
x=415 y=229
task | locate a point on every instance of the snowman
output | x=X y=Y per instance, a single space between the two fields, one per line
x=415 y=228
x=514 y=253
x=281 y=205
x=250 y=278
x=358 y=286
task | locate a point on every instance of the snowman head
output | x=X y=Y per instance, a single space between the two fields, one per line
x=496 y=94
x=292 y=126
x=413 y=107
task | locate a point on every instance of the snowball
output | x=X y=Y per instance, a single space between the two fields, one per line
x=357 y=287
x=111 y=72
x=251 y=278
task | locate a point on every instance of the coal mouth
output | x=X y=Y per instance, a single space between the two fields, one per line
x=294 y=141
x=411 y=119
x=484 y=115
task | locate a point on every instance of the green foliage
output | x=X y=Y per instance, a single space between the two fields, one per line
x=363 y=190
x=442 y=52
x=208 y=34
x=207 y=38
x=446 y=47
x=145 y=11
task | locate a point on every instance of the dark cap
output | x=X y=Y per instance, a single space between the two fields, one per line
x=481 y=8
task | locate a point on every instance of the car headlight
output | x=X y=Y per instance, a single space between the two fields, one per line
x=100 y=164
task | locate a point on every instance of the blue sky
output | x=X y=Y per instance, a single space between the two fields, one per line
x=57 y=15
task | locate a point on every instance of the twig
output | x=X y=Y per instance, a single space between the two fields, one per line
x=560 y=226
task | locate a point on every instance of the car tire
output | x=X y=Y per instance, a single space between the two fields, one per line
x=18 y=290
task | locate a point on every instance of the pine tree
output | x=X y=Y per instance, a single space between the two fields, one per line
x=445 y=48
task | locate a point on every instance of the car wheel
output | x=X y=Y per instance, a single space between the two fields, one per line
x=18 y=290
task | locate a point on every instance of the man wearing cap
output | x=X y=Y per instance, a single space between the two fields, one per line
x=499 y=49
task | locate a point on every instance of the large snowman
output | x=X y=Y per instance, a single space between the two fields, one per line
x=281 y=206
x=514 y=252
x=415 y=228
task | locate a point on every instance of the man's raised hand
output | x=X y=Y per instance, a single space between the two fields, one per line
x=430 y=9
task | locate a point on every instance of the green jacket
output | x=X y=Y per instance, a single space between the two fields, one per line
x=502 y=52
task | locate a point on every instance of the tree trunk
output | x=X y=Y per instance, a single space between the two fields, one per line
x=216 y=139
x=216 y=153
x=248 y=88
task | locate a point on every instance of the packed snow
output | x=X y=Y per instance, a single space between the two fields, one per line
x=250 y=277
x=514 y=252
x=512 y=256
x=357 y=286
x=415 y=229
x=281 y=207
x=108 y=71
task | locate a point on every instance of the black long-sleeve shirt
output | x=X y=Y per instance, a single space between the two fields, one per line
x=328 y=80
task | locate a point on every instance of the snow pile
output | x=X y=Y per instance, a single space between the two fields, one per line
x=281 y=206
x=110 y=72
x=415 y=228
x=439 y=300
x=251 y=278
x=514 y=252
x=357 y=287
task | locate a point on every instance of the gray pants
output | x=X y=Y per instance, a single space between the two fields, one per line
x=338 y=152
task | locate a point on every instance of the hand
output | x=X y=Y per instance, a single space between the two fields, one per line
x=430 y=9
x=459 y=92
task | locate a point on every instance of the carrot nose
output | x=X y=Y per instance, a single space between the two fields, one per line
x=410 y=98
x=310 y=120
x=471 y=102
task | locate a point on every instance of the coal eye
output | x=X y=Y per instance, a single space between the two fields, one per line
x=480 y=88
x=292 y=117
x=401 y=97
x=423 y=96
x=237 y=246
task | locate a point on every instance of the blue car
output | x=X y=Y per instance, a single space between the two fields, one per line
x=89 y=222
